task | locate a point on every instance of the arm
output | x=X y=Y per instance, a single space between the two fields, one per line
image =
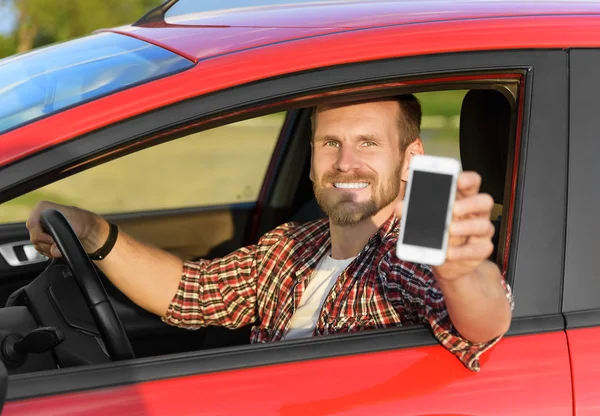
x=475 y=296
x=145 y=274
x=473 y=287
x=477 y=303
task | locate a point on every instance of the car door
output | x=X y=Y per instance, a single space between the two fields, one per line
x=581 y=301
x=3 y=385
x=194 y=197
x=384 y=371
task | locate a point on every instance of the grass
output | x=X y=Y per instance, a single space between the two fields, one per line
x=219 y=166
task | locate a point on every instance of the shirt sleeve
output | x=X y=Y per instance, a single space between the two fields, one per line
x=423 y=297
x=220 y=292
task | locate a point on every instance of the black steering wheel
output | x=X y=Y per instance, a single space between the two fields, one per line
x=107 y=320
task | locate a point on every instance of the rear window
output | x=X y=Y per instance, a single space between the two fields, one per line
x=51 y=79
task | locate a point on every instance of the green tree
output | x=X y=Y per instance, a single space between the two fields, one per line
x=40 y=22
x=7 y=45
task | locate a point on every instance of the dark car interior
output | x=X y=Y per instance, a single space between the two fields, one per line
x=3 y=385
x=52 y=322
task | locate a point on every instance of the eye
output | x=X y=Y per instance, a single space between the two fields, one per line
x=332 y=143
x=369 y=144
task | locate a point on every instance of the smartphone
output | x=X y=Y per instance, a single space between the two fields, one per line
x=427 y=209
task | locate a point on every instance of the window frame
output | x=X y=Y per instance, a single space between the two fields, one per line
x=538 y=298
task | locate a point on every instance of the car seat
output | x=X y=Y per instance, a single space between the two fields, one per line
x=484 y=134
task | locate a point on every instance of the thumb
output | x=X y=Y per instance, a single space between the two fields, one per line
x=55 y=252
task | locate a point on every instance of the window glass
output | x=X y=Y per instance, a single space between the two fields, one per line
x=50 y=79
x=225 y=165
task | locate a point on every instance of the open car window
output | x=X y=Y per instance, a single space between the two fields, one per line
x=222 y=166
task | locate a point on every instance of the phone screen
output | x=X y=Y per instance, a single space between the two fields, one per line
x=427 y=209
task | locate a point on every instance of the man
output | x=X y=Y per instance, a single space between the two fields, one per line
x=334 y=275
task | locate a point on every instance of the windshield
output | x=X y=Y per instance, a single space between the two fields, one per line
x=51 y=79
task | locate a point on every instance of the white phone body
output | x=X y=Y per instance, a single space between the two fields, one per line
x=427 y=209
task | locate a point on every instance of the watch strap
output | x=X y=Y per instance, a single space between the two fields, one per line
x=102 y=252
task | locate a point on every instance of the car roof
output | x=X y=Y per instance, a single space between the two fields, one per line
x=204 y=34
x=241 y=54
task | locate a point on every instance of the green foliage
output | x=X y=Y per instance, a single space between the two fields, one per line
x=40 y=22
x=8 y=45
x=68 y=19
x=442 y=103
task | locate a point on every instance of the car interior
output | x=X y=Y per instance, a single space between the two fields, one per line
x=51 y=323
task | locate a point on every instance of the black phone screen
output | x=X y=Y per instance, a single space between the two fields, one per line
x=427 y=209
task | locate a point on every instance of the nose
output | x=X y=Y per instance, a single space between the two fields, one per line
x=348 y=159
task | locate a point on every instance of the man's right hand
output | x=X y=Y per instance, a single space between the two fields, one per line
x=90 y=228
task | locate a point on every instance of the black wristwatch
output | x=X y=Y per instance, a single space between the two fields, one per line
x=103 y=251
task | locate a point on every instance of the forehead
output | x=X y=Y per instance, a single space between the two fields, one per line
x=374 y=115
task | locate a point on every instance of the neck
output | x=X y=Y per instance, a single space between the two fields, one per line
x=347 y=241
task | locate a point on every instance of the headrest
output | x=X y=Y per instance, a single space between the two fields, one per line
x=485 y=120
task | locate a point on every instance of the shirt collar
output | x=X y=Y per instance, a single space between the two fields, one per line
x=314 y=241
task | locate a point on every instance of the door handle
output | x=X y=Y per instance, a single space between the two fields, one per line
x=21 y=253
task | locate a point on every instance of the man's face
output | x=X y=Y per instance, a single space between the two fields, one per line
x=356 y=160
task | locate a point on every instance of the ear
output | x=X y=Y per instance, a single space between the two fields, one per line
x=415 y=148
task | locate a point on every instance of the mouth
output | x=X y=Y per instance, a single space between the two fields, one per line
x=350 y=185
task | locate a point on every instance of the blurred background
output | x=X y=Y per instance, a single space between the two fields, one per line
x=27 y=24
x=225 y=165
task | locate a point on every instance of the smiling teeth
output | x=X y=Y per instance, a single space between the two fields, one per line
x=359 y=185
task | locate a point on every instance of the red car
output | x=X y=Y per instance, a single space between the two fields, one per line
x=220 y=100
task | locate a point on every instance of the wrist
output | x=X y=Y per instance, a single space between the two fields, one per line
x=97 y=235
x=457 y=282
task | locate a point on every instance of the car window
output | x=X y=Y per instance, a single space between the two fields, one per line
x=440 y=122
x=221 y=166
x=51 y=79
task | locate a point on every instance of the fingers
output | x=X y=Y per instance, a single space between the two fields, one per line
x=55 y=252
x=479 y=204
x=48 y=250
x=42 y=241
x=468 y=184
x=472 y=227
x=477 y=249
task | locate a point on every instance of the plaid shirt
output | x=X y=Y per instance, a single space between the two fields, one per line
x=263 y=284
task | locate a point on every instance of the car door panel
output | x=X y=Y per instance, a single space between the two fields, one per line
x=15 y=277
x=3 y=385
x=584 y=344
x=522 y=375
x=190 y=233
x=581 y=292
x=269 y=375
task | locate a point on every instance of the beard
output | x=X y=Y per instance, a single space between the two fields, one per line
x=342 y=209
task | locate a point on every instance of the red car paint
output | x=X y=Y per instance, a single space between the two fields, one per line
x=370 y=384
x=584 y=345
x=315 y=52
x=278 y=43
x=204 y=35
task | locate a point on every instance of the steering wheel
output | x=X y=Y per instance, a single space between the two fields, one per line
x=107 y=320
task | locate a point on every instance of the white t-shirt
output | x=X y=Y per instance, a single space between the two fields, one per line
x=305 y=317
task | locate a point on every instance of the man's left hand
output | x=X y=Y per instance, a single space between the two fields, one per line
x=470 y=232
